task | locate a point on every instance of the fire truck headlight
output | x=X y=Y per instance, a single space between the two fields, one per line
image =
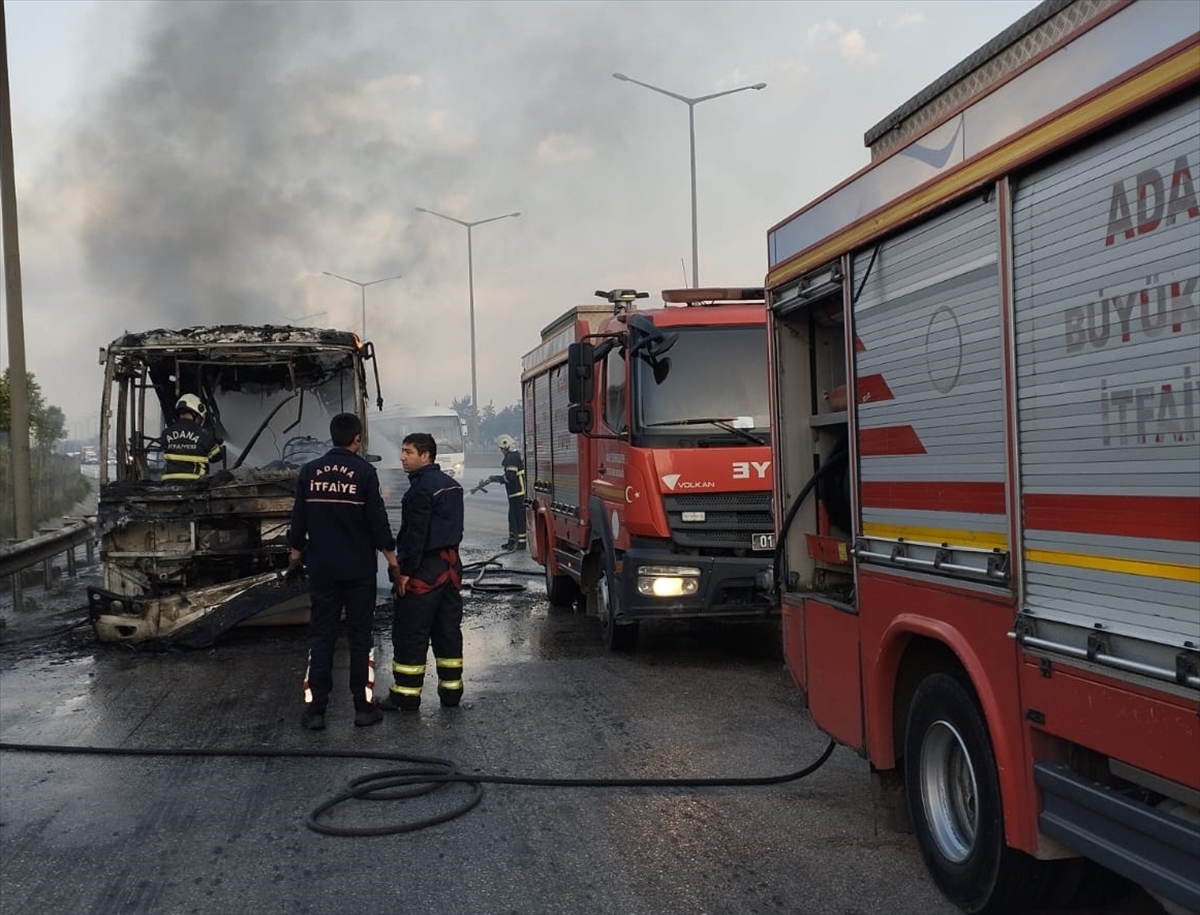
x=668 y=581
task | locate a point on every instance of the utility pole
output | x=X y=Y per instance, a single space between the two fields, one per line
x=18 y=384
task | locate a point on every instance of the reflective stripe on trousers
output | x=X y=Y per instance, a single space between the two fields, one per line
x=420 y=621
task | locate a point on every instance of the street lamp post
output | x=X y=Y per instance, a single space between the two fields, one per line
x=691 y=103
x=363 y=289
x=471 y=294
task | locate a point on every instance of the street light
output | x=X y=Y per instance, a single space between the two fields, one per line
x=471 y=292
x=691 y=103
x=363 y=289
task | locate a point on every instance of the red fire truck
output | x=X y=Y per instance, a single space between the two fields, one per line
x=985 y=352
x=648 y=457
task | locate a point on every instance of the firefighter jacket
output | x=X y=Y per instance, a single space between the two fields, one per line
x=339 y=519
x=431 y=517
x=514 y=475
x=188 y=448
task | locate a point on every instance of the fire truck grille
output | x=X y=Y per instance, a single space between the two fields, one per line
x=730 y=519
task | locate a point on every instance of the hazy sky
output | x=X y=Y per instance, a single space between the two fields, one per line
x=184 y=163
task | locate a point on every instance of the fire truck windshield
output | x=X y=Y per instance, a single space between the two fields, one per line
x=713 y=372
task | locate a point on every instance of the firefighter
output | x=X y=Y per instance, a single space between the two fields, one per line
x=428 y=605
x=338 y=522
x=513 y=479
x=189 y=445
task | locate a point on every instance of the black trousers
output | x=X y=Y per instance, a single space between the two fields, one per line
x=516 y=517
x=329 y=598
x=418 y=621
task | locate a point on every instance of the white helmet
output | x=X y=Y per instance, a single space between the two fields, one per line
x=192 y=404
x=506 y=443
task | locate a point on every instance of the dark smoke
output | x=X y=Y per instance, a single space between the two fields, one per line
x=226 y=164
x=252 y=145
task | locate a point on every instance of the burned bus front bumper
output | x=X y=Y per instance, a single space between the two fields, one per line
x=195 y=618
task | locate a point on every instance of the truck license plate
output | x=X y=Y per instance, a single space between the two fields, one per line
x=762 y=541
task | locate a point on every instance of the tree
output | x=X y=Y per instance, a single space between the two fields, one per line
x=509 y=421
x=492 y=422
x=55 y=479
x=47 y=424
x=462 y=406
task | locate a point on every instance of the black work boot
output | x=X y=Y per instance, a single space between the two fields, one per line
x=313 y=719
x=394 y=702
x=365 y=717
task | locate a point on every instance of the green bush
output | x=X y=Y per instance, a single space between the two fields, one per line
x=56 y=482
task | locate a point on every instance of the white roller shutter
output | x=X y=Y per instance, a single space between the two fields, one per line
x=1106 y=270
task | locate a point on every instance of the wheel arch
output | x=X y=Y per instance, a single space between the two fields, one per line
x=600 y=550
x=543 y=532
x=911 y=649
x=545 y=539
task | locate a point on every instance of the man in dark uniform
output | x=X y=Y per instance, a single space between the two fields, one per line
x=513 y=479
x=338 y=522
x=189 y=446
x=428 y=587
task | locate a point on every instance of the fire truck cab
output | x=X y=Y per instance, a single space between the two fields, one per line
x=647 y=451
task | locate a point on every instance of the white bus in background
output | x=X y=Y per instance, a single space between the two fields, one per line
x=388 y=430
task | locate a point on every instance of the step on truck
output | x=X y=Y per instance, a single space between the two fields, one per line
x=648 y=459
x=985 y=364
x=183 y=562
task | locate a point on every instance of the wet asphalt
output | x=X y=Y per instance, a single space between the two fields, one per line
x=208 y=834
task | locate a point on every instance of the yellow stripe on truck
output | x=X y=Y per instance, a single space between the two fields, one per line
x=1146 y=568
x=983 y=540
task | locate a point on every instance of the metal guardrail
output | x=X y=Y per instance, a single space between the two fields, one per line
x=15 y=559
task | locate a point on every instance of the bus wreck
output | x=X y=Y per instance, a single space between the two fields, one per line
x=183 y=562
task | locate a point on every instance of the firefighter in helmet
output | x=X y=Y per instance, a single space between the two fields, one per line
x=189 y=445
x=513 y=479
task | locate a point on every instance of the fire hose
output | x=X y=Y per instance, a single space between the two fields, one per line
x=421 y=776
x=486 y=566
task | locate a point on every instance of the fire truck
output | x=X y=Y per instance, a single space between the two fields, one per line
x=648 y=459
x=985 y=389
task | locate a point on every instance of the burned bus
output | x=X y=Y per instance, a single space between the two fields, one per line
x=184 y=561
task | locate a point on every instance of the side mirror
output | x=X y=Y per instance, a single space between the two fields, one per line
x=581 y=383
x=580 y=419
x=662 y=343
x=661 y=367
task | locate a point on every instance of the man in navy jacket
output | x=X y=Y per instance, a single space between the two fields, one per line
x=429 y=605
x=338 y=523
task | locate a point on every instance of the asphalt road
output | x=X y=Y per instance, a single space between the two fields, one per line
x=101 y=834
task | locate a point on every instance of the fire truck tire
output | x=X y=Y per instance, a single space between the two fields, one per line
x=561 y=590
x=954 y=802
x=617 y=637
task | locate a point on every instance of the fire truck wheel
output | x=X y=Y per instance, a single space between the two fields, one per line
x=561 y=590
x=617 y=637
x=954 y=803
